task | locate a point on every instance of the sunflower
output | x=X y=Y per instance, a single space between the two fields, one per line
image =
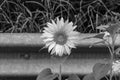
x=59 y=37
x=116 y=67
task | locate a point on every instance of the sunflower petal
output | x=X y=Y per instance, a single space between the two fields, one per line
x=47 y=35
x=70 y=44
x=52 y=27
x=74 y=33
x=55 y=26
x=74 y=27
x=67 y=49
x=51 y=46
x=53 y=51
x=74 y=38
x=61 y=50
x=46 y=29
x=74 y=41
x=57 y=50
x=60 y=23
x=69 y=27
x=48 y=39
x=49 y=43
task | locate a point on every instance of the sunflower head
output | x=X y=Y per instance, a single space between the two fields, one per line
x=59 y=36
x=116 y=67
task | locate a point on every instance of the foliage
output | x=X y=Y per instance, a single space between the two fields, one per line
x=101 y=70
x=93 y=16
x=17 y=16
x=46 y=74
x=110 y=31
x=30 y=16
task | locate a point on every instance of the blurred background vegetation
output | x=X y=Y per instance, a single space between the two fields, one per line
x=30 y=16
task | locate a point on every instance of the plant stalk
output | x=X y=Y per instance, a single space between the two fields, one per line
x=112 y=55
x=60 y=72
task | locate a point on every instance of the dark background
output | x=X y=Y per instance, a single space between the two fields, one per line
x=86 y=14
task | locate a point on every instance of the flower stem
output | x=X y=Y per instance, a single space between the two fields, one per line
x=112 y=55
x=60 y=72
x=111 y=69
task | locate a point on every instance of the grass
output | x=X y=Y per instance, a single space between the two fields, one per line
x=18 y=17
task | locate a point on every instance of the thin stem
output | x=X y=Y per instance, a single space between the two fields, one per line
x=112 y=55
x=110 y=50
x=60 y=72
x=106 y=77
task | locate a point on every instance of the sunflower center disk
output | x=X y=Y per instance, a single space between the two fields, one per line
x=60 y=39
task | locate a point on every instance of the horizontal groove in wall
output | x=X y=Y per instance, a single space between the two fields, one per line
x=36 y=53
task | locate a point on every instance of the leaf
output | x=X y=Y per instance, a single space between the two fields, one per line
x=102 y=27
x=100 y=36
x=113 y=28
x=100 y=70
x=89 y=77
x=73 y=77
x=103 y=42
x=117 y=51
x=46 y=74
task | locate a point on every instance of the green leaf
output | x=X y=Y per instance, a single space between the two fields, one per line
x=117 y=51
x=73 y=77
x=103 y=42
x=99 y=36
x=102 y=27
x=46 y=74
x=113 y=28
x=100 y=70
x=89 y=77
